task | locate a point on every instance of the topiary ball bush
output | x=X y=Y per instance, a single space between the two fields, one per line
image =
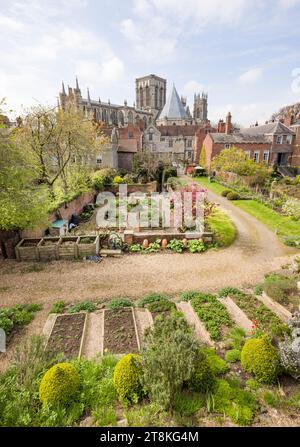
x=59 y=384
x=260 y=358
x=203 y=379
x=225 y=192
x=233 y=196
x=127 y=378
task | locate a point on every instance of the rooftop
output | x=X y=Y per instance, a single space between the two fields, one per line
x=173 y=109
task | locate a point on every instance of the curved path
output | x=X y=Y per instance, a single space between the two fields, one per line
x=255 y=252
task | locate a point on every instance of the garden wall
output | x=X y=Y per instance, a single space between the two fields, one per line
x=134 y=187
x=64 y=212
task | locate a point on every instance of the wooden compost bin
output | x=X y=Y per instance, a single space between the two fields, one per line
x=27 y=250
x=47 y=248
x=67 y=247
x=86 y=248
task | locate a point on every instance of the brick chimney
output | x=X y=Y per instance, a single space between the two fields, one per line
x=228 y=126
x=289 y=119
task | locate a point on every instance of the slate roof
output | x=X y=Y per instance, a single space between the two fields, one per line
x=268 y=129
x=237 y=138
x=174 y=131
x=173 y=109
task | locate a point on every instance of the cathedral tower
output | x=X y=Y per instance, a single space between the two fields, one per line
x=200 y=108
x=150 y=93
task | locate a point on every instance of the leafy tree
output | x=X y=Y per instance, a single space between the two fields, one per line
x=236 y=160
x=22 y=203
x=169 y=358
x=202 y=160
x=146 y=165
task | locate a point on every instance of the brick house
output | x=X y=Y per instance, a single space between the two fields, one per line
x=271 y=143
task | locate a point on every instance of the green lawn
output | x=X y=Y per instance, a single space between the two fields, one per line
x=222 y=227
x=284 y=226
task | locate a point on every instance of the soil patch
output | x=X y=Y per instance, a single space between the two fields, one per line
x=119 y=331
x=66 y=334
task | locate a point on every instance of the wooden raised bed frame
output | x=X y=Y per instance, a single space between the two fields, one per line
x=68 y=251
x=120 y=331
x=48 y=252
x=88 y=249
x=29 y=253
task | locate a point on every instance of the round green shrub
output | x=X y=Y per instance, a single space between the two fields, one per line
x=59 y=384
x=161 y=306
x=151 y=298
x=260 y=358
x=119 y=303
x=127 y=378
x=233 y=196
x=203 y=379
x=225 y=192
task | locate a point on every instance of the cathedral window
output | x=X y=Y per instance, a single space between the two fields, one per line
x=170 y=143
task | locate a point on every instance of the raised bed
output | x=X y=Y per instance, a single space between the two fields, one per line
x=88 y=246
x=47 y=248
x=67 y=247
x=67 y=335
x=120 y=332
x=27 y=250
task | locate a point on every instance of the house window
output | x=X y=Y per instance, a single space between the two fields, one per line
x=130 y=134
x=256 y=157
x=99 y=160
x=266 y=156
x=227 y=146
x=162 y=139
x=279 y=139
x=189 y=143
x=248 y=154
x=150 y=136
x=170 y=143
x=289 y=139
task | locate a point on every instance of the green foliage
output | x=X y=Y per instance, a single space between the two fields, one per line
x=235 y=338
x=233 y=355
x=272 y=399
x=203 y=378
x=252 y=384
x=196 y=246
x=187 y=403
x=103 y=177
x=236 y=160
x=176 y=245
x=150 y=415
x=151 y=298
x=236 y=403
x=258 y=289
x=161 y=306
x=222 y=227
x=86 y=306
x=213 y=314
x=58 y=307
x=117 y=180
x=292 y=208
x=226 y=192
x=216 y=363
x=169 y=357
x=135 y=248
x=266 y=320
x=59 y=385
x=188 y=295
x=153 y=247
x=260 y=358
x=127 y=378
x=233 y=196
x=17 y=316
x=228 y=291
x=118 y=303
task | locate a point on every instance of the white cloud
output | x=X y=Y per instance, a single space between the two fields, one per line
x=93 y=74
x=193 y=87
x=10 y=24
x=286 y=4
x=251 y=76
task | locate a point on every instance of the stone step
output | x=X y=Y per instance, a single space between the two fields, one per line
x=192 y=319
x=275 y=307
x=237 y=314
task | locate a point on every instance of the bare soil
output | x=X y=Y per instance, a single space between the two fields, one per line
x=119 y=331
x=66 y=334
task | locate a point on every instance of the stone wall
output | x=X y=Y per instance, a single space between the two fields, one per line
x=131 y=237
x=135 y=187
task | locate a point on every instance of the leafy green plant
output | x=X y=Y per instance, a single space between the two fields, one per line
x=188 y=295
x=233 y=355
x=161 y=306
x=58 y=307
x=59 y=385
x=86 y=306
x=153 y=246
x=233 y=196
x=196 y=246
x=280 y=288
x=213 y=314
x=118 y=303
x=258 y=289
x=203 y=378
x=216 y=363
x=176 y=245
x=169 y=356
x=135 y=248
x=225 y=192
x=151 y=298
x=17 y=316
x=187 y=403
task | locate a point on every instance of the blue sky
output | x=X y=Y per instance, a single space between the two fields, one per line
x=245 y=54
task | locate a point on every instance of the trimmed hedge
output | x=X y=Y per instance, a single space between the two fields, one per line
x=260 y=358
x=59 y=384
x=127 y=378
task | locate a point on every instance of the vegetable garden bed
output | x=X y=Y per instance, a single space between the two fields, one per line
x=88 y=246
x=120 y=333
x=47 y=248
x=68 y=247
x=67 y=335
x=27 y=250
